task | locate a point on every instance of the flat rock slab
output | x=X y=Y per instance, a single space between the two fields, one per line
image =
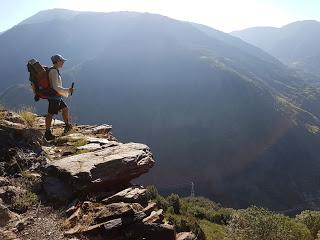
x=102 y=129
x=13 y=117
x=154 y=231
x=90 y=147
x=155 y=217
x=186 y=236
x=110 y=167
x=10 y=124
x=79 y=136
x=132 y=194
x=55 y=122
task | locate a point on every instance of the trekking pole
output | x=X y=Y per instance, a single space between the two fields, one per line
x=72 y=85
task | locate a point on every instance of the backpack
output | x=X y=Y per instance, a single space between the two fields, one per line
x=39 y=79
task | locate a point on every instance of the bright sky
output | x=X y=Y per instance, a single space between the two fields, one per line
x=224 y=15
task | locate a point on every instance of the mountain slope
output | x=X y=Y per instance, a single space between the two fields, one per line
x=295 y=44
x=215 y=110
x=50 y=15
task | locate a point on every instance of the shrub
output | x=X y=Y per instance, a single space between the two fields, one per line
x=162 y=202
x=2 y=114
x=258 y=223
x=82 y=151
x=174 y=201
x=311 y=219
x=203 y=208
x=24 y=201
x=80 y=142
x=27 y=113
x=213 y=231
x=184 y=223
x=152 y=192
x=201 y=202
x=34 y=181
x=2 y=107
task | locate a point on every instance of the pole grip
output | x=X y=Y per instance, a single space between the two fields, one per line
x=72 y=87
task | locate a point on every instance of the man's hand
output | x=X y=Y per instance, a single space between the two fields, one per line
x=71 y=90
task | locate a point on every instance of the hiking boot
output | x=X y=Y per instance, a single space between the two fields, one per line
x=67 y=128
x=49 y=136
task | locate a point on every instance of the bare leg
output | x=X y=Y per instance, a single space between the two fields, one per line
x=48 y=121
x=65 y=115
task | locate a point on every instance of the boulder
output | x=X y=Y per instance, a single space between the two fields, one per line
x=14 y=118
x=186 y=236
x=149 y=208
x=9 y=124
x=74 y=219
x=101 y=129
x=8 y=235
x=6 y=216
x=41 y=122
x=155 y=217
x=108 y=168
x=101 y=141
x=4 y=182
x=107 y=227
x=153 y=231
x=132 y=194
x=116 y=210
x=9 y=193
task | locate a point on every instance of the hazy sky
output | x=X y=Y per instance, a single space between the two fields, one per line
x=224 y=15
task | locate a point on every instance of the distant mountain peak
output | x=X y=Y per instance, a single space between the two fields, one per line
x=49 y=15
x=295 y=44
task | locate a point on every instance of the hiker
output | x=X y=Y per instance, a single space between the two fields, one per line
x=56 y=103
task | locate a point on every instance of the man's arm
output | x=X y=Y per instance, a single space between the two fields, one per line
x=56 y=83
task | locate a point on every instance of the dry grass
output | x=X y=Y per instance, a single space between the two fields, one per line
x=81 y=152
x=75 y=142
x=24 y=201
x=27 y=113
x=2 y=107
x=2 y=114
x=80 y=142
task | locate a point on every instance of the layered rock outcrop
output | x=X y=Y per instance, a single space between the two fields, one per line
x=87 y=169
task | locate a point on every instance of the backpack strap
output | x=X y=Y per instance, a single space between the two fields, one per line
x=49 y=69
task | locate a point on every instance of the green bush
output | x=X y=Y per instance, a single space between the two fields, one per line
x=260 y=224
x=201 y=202
x=185 y=223
x=152 y=192
x=162 y=202
x=213 y=231
x=24 y=201
x=203 y=208
x=174 y=201
x=80 y=142
x=311 y=219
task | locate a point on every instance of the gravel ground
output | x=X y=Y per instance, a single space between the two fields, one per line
x=45 y=224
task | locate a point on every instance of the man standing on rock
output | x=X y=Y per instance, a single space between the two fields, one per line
x=56 y=103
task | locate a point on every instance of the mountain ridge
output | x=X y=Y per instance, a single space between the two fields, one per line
x=295 y=44
x=214 y=108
